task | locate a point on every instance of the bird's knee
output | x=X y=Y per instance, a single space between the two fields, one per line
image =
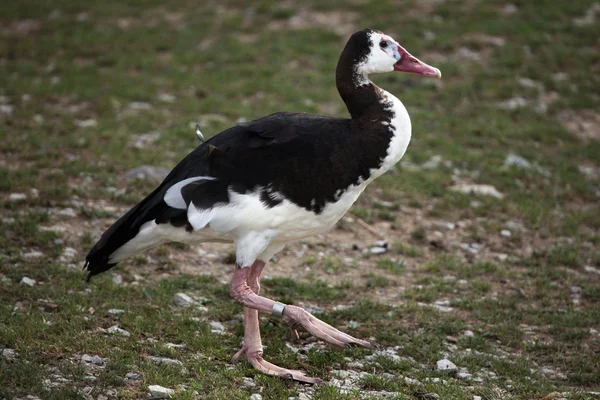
x=238 y=288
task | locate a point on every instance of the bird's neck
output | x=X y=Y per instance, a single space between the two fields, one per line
x=363 y=98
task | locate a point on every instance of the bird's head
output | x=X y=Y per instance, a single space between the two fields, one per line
x=376 y=52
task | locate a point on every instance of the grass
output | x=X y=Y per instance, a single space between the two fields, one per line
x=142 y=66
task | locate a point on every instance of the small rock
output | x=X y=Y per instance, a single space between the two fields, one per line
x=484 y=190
x=117 y=279
x=464 y=375
x=9 y=354
x=447 y=366
x=147 y=172
x=468 y=333
x=85 y=123
x=182 y=300
x=66 y=212
x=159 y=392
x=139 y=105
x=27 y=281
x=33 y=254
x=249 y=382
x=133 y=376
x=476 y=397
x=429 y=396
x=68 y=254
x=175 y=346
x=255 y=396
x=505 y=233
x=102 y=397
x=116 y=330
x=411 y=381
x=216 y=326
x=509 y=9
x=144 y=140
x=449 y=226
x=377 y=250
x=449 y=278
x=304 y=396
x=514 y=103
x=592 y=270
x=165 y=360
x=166 y=98
x=92 y=359
x=517 y=161
x=17 y=197
x=115 y=311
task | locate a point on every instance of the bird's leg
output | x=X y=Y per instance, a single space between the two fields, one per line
x=252 y=348
x=295 y=316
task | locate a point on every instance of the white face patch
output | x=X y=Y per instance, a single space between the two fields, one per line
x=383 y=55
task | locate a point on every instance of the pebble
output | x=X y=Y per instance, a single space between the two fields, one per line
x=159 y=392
x=505 y=233
x=147 y=172
x=445 y=365
x=476 y=397
x=117 y=279
x=517 y=161
x=216 y=327
x=33 y=254
x=411 y=381
x=139 y=105
x=4 y=278
x=133 y=376
x=9 y=354
x=27 y=281
x=175 y=346
x=377 y=250
x=115 y=311
x=66 y=212
x=17 y=197
x=304 y=396
x=514 y=103
x=166 y=98
x=430 y=396
x=464 y=375
x=182 y=300
x=449 y=226
x=85 y=123
x=116 y=330
x=165 y=360
x=484 y=190
x=449 y=278
x=255 y=396
x=248 y=382
x=590 y=269
x=468 y=333
x=92 y=359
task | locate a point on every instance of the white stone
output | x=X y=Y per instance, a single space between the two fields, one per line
x=17 y=196
x=33 y=254
x=66 y=212
x=27 y=281
x=9 y=354
x=505 y=233
x=117 y=279
x=115 y=311
x=514 y=103
x=166 y=98
x=85 y=123
x=159 y=392
x=590 y=269
x=182 y=300
x=517 y=161
x=377 y=250
x=445 y=365
x=476 y=397
x=217 y=326
x=255 y=396
x=464 y=375
x=165 y=360
x=468 y=333
x=484 y=190
x=116 y=330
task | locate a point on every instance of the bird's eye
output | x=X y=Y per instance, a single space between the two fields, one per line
x=383 y=44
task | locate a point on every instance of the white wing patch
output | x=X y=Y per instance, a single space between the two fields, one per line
x=173 y=197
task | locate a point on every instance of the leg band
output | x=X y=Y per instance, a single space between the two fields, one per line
x=277 y=310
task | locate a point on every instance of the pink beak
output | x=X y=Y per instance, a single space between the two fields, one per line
x=408 y=63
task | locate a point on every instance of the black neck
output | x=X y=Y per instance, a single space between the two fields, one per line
x=362 y=97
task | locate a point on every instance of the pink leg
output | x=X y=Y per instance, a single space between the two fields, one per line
x=295 y=316
x=252 y=348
